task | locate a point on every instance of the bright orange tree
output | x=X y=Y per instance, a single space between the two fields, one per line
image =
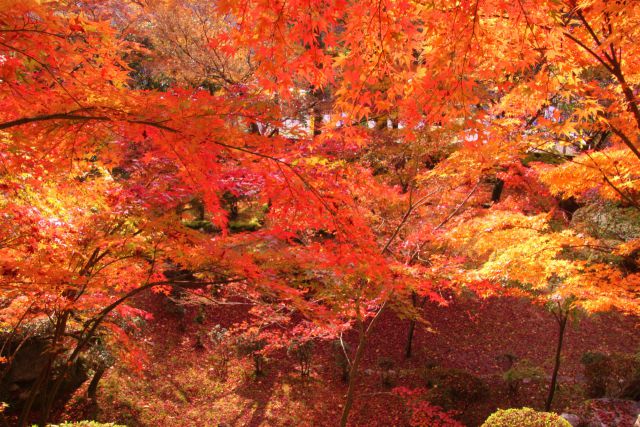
x=566 y=234
x=108 y=129
x=93 y=172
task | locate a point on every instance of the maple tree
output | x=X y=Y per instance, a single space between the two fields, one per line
x=564 y=267
x=378 y=152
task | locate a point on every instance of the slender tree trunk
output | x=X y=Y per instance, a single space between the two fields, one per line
x=316 y=113
x=497 y=190
x=93 y=385
x=353 y=374
x=412 y=328
x=562 y=323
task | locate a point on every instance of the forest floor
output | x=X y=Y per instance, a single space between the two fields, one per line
x=180 y=384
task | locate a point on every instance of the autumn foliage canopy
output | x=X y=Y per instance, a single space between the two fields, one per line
x=321 y=160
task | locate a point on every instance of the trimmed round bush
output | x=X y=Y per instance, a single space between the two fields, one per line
x=524 y=417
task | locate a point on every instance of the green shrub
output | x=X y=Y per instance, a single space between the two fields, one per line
x=252 y=345
x=452 y=388
x=611 y=375
x=522 y=372
x=302 y=353
x=625 y=376
x=219 y=336
x=201 y=316
x=201 y=225
x=506 y=361
x=524 y=417
x=341 y=358
x=387 y=375
x=597 y=370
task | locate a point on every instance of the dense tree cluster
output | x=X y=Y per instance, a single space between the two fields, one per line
x=319 y=162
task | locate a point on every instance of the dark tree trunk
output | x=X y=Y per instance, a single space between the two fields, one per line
x=412 y=324
x=253 y=128
x=353 y=374
x=317 y=114
x=562 y=323
x=412 y=328
x=497 y=191
x=93 y=385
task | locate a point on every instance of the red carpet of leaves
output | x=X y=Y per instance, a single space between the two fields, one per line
x=180 y=385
